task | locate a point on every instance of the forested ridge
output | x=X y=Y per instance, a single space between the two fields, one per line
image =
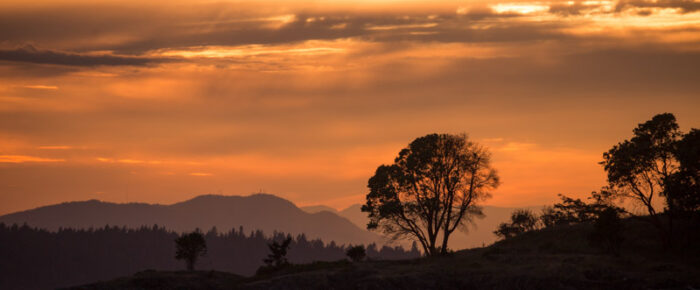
x=32 y=258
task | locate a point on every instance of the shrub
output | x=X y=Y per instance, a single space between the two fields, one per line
x=356 y=253
x=607 y=232
x=521 y=221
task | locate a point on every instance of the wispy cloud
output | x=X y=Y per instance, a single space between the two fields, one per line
x=128 y=161
x=200 y=174
x=516 y=146
x=55 y=147
x=29 y=54
x=26 y=158
x=492 y=140
x=41 y=87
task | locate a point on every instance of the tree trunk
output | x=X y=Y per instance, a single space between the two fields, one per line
x=444 y=241
x=432 y=237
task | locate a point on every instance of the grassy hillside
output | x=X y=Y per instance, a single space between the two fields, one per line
x=554 y=258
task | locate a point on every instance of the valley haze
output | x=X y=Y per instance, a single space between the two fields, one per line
x=265 y=212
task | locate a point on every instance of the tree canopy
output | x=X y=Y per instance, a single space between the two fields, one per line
x=278 y=253
x=640 y=167
x=683 y=186
x=659 y=161
x=190 y=247
x=432 y=188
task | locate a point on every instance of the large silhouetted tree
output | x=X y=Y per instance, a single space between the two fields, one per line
x=190 y=247
x=659 y=161
x=432 y=188
x=639 y=168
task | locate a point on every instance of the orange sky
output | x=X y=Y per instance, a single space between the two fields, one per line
x=159 y=102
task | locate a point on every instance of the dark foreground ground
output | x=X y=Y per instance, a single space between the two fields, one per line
x=549 y=259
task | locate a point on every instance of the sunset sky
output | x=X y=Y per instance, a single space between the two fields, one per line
x=161 y=101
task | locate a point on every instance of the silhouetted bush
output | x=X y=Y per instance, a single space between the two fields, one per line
x=356 y=253
x=574 y=211
x=521 y=221
x=278 y=253
x=607 y=231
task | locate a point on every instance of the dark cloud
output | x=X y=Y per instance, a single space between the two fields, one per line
x=132 y=30
x=568 y=10
x=29 y=54
x=379 y=28
x=686 y=6
x=137 y=30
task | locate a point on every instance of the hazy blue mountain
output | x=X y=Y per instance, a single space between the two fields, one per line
x=259 y=211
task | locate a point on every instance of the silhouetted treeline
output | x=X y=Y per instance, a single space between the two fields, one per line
x=33 y=258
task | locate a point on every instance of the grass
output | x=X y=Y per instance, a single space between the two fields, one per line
x=151 y=279
x=552 y=258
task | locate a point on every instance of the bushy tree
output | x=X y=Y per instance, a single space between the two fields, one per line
x=640 y=168
x=521 y=221
x=659 y=161
x=278 y=253
x=190 y=247
x=356 y=253
x=683 y=186
x=432 y=188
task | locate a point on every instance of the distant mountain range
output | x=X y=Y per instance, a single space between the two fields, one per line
x=264 y=212
x=479 y=233
x=255 y=212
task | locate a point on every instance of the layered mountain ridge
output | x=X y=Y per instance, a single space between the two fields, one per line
x=264 y=212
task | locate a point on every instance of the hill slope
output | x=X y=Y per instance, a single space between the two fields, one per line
x=255 y=212
x=555 y=258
